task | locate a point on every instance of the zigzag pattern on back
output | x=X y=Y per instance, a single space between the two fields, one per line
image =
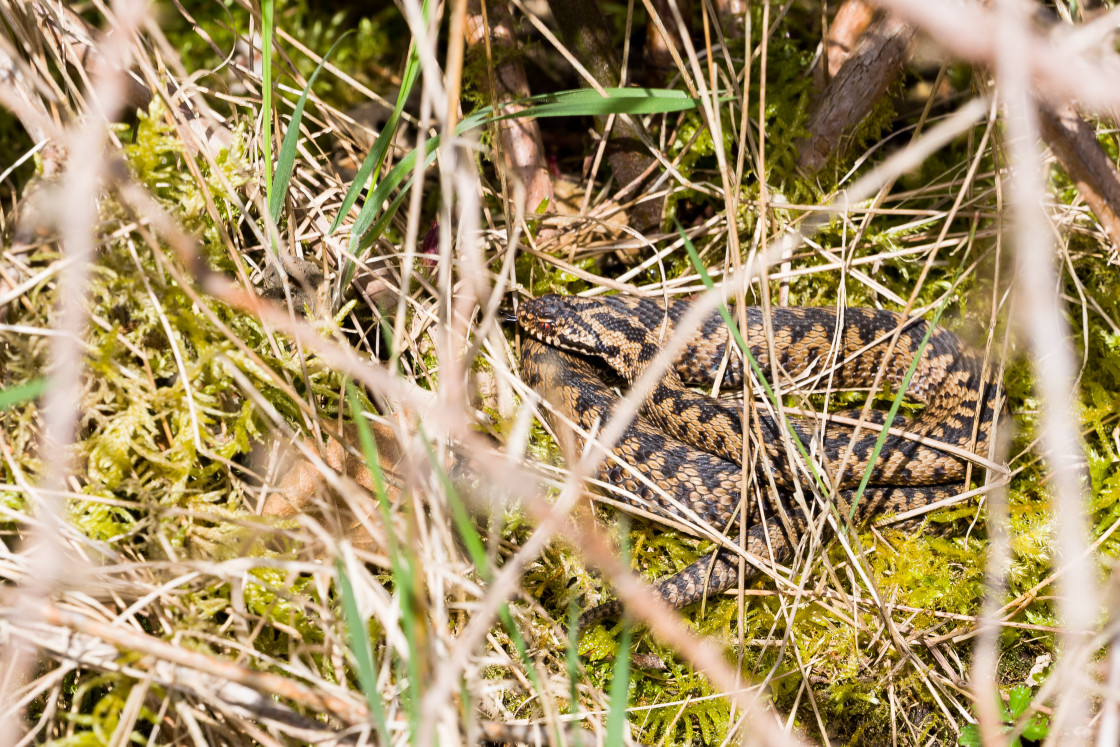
x=691 y=444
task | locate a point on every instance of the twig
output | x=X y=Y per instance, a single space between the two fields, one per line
x=1090 y=168
x=858 y=86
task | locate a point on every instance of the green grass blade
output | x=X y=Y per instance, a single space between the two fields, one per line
x=620 y=688
x=459 y=515
x=475 y=548
x=896 y=403
x=21 y=393
x=572 y=657
x=396 y=178
x=404 y=579
x=577 y=103
x=372 y=206
x=373 y=463
x=401 y=570
x=584 y=102
x=286 y=159
x=620 y=678
x=371 y=166
x=362 y=650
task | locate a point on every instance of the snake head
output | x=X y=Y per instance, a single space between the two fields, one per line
x=558 y=321
x=601 y=327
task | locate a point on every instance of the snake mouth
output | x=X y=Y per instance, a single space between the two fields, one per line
x=557 y=335
x=550 y=319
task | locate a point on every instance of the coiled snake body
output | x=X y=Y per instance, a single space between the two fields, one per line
x=688 y=447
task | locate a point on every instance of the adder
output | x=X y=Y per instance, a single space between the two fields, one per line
x=685 y=454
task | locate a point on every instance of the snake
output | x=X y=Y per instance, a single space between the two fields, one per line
x=683 y=456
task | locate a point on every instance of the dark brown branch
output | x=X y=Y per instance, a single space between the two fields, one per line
x=1075 y=144
x=860 y=82
x=851 y=20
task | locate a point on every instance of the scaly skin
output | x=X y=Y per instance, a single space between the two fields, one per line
x=704 y=474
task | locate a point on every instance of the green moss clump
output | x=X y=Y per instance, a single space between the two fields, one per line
x=372 y=47
x=164 y=425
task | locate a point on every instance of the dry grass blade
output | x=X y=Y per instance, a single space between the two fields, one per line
x=1043 y=321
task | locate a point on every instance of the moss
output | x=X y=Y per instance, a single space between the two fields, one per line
x=375 y=42
x=673 y=704
x=155 y=155
x=164 y=423
x=539 y=277
x=678 y=706
x=100 y=701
